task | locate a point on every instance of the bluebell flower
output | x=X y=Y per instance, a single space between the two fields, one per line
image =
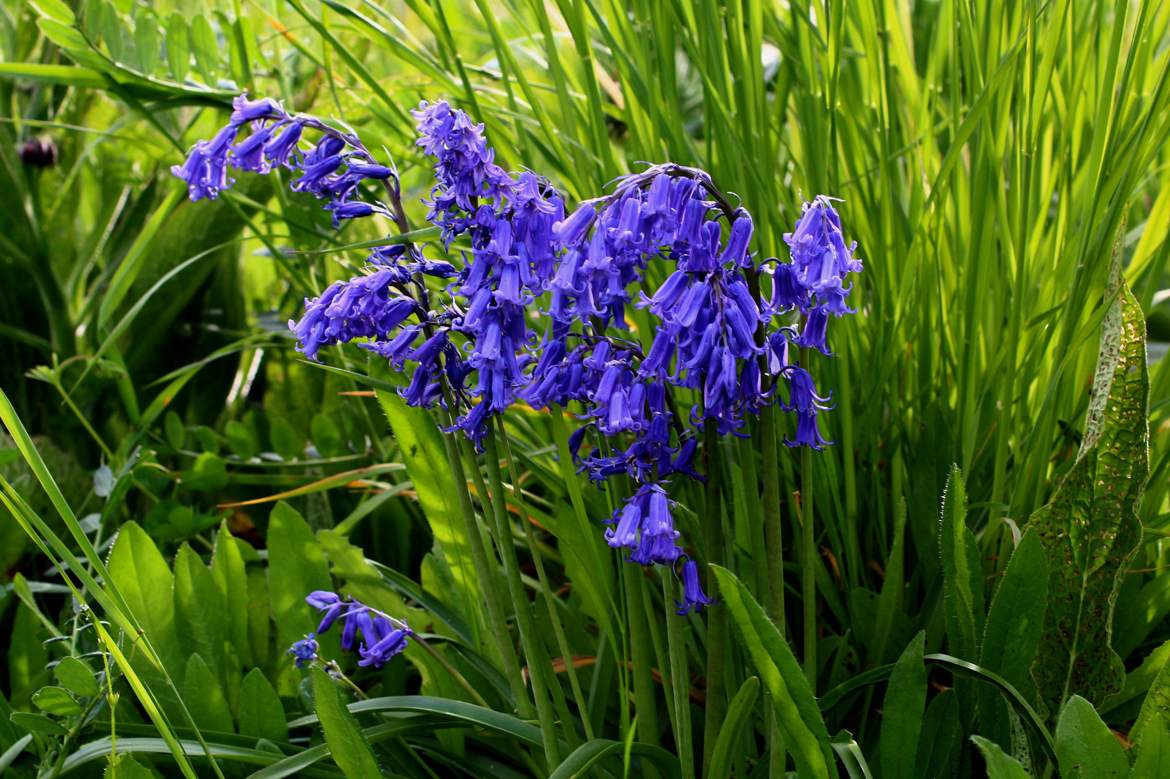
x=643 y=525
x=787 y=291
x=693 y=595
x=820 y=256
x=465 y=169
x=305 y=651
x=807 y=404
x=205 y=169
x=379 y=637
x=362 y=307
x=333 y=170
x=813 y=334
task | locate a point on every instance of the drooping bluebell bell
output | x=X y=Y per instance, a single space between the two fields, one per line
x=807 y=404
x=693 y=595
x=465 y=168
x=821 y=258
x=305 y=650
x=332 y=170
x=379 y=637
x=363 y=307
x=643 y=524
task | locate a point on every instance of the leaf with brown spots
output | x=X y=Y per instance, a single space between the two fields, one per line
x=1090 y=529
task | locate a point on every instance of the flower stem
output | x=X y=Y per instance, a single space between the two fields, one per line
x=716 y=617
x=680 y=681
x=640 y=647
x=808 y=580
x=770 y=572
x=534 y=652
x=488 y=583
x=452 y=671
x=549 y=600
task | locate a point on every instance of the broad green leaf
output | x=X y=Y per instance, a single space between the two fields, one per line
x=350 y=749
x=56 y=701
x=231 y=578
x=941 y=736
x=27 y=656
x=37 y=723
x=146 y=43
x=205 y=48
x=126 y=767
x=962 y=583
x=141 y=574
x=327 y=436
x=261 y=714
x=178 y=47
x=201 y=614
x=1153 y=753
x=113 y=32
x=75 y=675
x=1000 y=765
x=1090 y=528
x=241 y=440
x=55 y=9
x=204 y=696
x=296 y=567
x=422 y=448
x=902 y=712
x=731 y=732
x=1155 y=707
x=1012 y=633
x=259 y=619
x=797 y=715
x=1085 y=747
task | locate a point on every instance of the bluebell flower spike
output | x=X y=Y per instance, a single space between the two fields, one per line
x=305 y=651
x=379 y=637
x=693 y=596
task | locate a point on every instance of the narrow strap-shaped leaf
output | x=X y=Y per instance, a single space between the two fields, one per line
x=731 y=731
x=350 y=749
x=902 y=712
x=796 y=708
x=591 y=753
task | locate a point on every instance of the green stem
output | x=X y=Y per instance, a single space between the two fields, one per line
x=680 y=681
x=546 y=591
x=640 y=648
x=450 y=669
x=489 y=585
x=716 y=617
x=533 y=649
x=771 y=571
x=808 y=581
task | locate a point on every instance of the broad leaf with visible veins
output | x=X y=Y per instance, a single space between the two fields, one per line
x=1090 y=529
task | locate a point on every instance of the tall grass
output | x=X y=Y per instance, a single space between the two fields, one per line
x=992 y=159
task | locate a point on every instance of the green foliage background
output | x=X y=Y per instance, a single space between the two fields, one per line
x=995 y=161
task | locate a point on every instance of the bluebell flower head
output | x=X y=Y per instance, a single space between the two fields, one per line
x=362 y=307
x=820 y=256
x=813 y=334
x=332 y=170
x=693 y=595
x=379 y=637
x=643 y=524
x=305 y=651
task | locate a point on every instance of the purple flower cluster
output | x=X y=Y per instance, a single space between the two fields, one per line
x=332 y=170
x=720 y=347
x=379 y=637
x=509 y=222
